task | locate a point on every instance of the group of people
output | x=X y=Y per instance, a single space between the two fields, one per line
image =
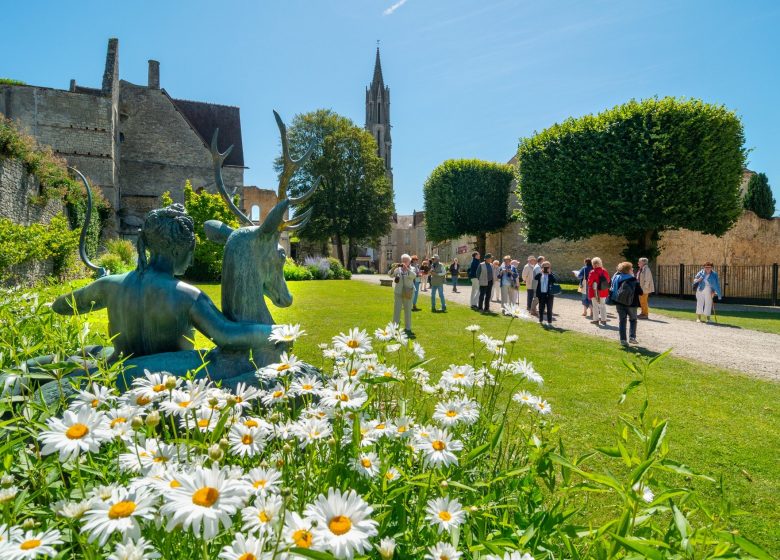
x=499 y=281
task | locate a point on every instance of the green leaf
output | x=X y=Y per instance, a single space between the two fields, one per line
x=656 y=438
x=315 y=554
x=747 y=545
x=674 y=466
x=639 y=545
x=639 y=472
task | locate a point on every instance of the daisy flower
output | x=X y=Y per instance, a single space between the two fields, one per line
x=450 y=413
x=32 y=545
x=647 y=494
x=526 y=369
x=68 y=510
x=437 y=448
x=513 y=555
x=119 y=420
x=443 y=551
x=93 y=397
x=9 y=533
x=312 y=430
x=205 y=420
x=525 y=398
x=245 y=442
x=392 y=474
x=156 y=385
x=381 y=428
x=516 y=311
x=388 y=333
x=74 y=433
x=138 y=549
x=276 y=395
x=344 y=394
x=263 y=481
x=264 y=516
x=445 y=514
x=366 y=465
x=356 y=341
x=286 y=333
x=473 y=328
x=298 y=531
x=243 y=396
x=392 y=348
x=305 y=385
x=150 y=456
x=204 y=500
x=386 y=548
x=511 y=339
x=542 y=406
x=457 y=376
x=8 y=494
x=245 y=548
x=287 y=364
x=418 y=350
x=182 y=403
x=344 y=526
x=122 y=514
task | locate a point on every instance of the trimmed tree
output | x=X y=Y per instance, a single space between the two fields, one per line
x=634 y=170
x=467 y=197
x=354 y=202
x=758 y=197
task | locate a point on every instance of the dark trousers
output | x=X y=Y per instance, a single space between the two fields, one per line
x=625 y=312
x=484 y=296
x=545 y=301
x=530 y=297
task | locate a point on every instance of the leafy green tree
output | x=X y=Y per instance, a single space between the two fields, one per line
x=354 y=202
x=467 y=197
x=204 y=206
x=634 y=170
x=758 y=197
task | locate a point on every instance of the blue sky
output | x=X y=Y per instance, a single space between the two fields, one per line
x=468 y=78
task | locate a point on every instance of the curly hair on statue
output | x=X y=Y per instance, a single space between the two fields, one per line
x=169 y=231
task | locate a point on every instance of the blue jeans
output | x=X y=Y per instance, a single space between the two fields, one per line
x=454 y=282
x=624 y=313
x=416 y=293
x=440 y=290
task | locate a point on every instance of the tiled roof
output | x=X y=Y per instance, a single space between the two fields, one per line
x=206 y=117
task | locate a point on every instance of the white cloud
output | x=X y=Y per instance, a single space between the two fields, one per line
x=394 y=7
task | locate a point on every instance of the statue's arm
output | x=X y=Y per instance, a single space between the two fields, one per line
x=226 y=333
x=83 y=300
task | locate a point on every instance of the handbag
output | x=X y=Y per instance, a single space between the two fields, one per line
x=555 y=289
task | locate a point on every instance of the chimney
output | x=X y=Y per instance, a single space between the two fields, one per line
x=72 y=85
x=154 y=74
x=111 y=73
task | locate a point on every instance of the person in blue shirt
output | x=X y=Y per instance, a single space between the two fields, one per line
x=582 y=276
x=625 y=273
x=707 y=286
x=474 y=277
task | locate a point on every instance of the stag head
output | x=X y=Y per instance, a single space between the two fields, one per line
x=253 y=264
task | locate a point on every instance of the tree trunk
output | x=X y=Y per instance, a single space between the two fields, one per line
x=339 y=249
x=351 y=254
x=481 y=243
x=642 y=244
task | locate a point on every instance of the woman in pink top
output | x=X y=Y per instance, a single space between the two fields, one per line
x=598 y=290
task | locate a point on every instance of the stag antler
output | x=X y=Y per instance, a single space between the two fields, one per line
x=219 y=159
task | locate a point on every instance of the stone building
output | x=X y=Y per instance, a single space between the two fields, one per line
x=133 y=141
x=407 y=235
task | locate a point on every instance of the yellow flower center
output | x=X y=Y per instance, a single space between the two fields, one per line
x=202 y=423
x=353 y=372
x=401 y=429
x=206 y=496
x=239 y=399
x=95 y=403
x=118 y=420
x=302 y=538
x=389 y=475
x=184 y=404
x=307 y=386
x=451 y=413
x=247 y=439
x=32 y=543
x=458 y=376
x=159 y=388
x=251 y=424
x=282 y=367
x=247 y=556
x=160 y=459
x=366 y=463
x=264 y=517
x=380 y=427
x=353 y=344
x=121 y=509
x=278 y=394
x=174 y=483
x=339 y=525
x=260 y=483
x=77 y=431
x=438 y=445
x=445 y=515
x=142 y=400
x=343 y=397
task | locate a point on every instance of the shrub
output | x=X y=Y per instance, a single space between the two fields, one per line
x=339 y=272
x=294 y=272
x=365 y=270
x=758 y=197
x=21 y=244
x=123 y=249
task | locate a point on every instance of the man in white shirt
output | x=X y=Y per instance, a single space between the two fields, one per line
x=528 y=280
x=645 y=278
x=537 y=270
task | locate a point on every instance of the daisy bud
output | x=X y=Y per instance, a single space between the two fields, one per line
x=472 y=355
x=216 y=453
x=285 y=492
x=286 y=448
x=279 y=463
x=170 y=383
x=7 y=480
x=474 y=509
x=29 y=523
x=152 y=419
x=213 y=401
x=386 y=548
x=231 y=401
x=444 y=484
x=274 y=417
x=331 y=442
x=137 y=422
x=224 y=444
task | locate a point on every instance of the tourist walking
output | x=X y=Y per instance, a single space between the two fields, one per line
x=707 y=286
x=507 y=277
x=454 y=272
x=645 y=278
x=416 y=266
x=598 y=290
x=528 y=280
x=425 y=270
x=437 y=274
x=486 y=277
x=582 y=276
x=514 y=289
x=545 y=291
x=403 y=275
x=537 y=269
x=474 y=278
x=496 y=287
x=625 y=292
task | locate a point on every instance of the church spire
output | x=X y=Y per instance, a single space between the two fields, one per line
x=378 y=115
x=377 y=81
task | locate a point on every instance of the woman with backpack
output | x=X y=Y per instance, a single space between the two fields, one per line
x=598 y=290
x=624 y=293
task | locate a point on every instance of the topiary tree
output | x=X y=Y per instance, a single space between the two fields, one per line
x=204 y=206
x=634 y=170
x=467 y=197
x=758 y=197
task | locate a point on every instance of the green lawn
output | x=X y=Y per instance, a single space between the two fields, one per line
x=764 y=321
x=720 y=422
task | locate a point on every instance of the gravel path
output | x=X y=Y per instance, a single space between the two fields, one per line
x=752 y=352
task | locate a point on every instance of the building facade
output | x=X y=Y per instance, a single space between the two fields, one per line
x=133 y=141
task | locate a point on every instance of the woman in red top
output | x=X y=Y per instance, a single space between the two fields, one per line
x=598 y=277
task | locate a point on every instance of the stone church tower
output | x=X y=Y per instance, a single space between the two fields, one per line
x=378 y=116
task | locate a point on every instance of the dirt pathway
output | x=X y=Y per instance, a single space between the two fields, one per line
x=752 y=352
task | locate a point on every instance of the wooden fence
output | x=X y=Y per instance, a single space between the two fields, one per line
x=739 y=284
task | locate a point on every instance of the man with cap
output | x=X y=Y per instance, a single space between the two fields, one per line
x=485 y=283
x=438 y=273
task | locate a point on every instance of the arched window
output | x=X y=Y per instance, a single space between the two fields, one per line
x=255 y=213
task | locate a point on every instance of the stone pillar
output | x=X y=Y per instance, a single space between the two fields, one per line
x=154 y=74
x=111 y=73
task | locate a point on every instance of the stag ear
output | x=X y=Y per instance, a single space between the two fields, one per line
x=217 y=232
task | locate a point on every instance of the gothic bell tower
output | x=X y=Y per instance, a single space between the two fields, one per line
x=378 y=116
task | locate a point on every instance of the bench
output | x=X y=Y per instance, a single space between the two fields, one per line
x=386 y=282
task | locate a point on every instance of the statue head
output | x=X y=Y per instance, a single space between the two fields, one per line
x=169 y=236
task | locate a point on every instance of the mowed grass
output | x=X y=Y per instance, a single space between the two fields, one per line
x=720 y=422
x=764 y=321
